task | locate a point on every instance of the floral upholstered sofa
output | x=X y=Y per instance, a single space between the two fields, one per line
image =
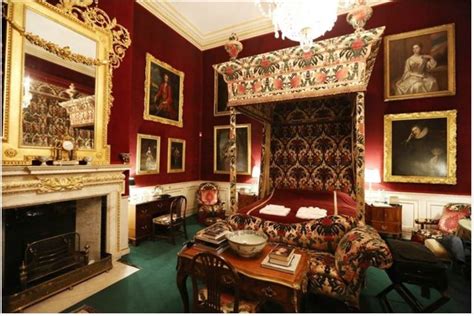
x=340 y=251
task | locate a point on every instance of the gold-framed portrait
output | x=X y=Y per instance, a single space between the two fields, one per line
x=148 y=154
x=221 y=95
x=420 y=64
x=176 y=155
x=163 y=92
x=420 y=147
x=243 y=148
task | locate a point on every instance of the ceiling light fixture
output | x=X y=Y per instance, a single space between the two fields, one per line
x=302 y=20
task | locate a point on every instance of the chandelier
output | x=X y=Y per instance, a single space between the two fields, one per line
x=302 y=20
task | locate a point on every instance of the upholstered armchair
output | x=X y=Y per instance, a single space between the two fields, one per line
x=210 y=207
x=445 y=225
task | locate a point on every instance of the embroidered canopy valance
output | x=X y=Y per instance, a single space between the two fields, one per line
x=333 y=66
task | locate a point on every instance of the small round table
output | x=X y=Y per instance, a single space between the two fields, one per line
x=463 y=230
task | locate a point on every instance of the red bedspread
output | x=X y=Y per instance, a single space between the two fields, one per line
x=294 y=199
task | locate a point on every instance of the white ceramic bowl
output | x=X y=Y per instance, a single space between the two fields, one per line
x=247 y=243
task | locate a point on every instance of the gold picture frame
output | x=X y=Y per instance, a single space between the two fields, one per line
x=78 y=18
x=243 y=137
x=420 y=147
x=169 y=110
x=176 y=155
x=220 y=95
x=148 y=154
x=419 y=72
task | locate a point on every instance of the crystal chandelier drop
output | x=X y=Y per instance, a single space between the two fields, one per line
x=302 y=20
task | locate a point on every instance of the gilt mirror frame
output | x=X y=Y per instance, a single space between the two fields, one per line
x=86 y=19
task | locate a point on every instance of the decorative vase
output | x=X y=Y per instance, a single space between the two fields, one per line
x=359 y=15
x=125 y=158
x=233 y=46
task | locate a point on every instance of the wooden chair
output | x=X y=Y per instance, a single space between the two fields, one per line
x=216 y=286
x=210 y=207
x=168 y=225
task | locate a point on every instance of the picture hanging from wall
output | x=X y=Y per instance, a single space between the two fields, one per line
x=176 y=155
x=420 y=147
x=220 y=95
x=221 y=149
x=420 y=63
x=148 y=154
x=163 y=92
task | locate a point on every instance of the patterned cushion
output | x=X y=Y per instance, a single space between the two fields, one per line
x=325 y=233
x=242 y=221
x=209 y=196
x=451 y=216
x=227 y=303
x=360 y=248
x=324 y=279
x=163 y=219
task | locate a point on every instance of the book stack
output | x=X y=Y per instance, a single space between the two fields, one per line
x=282 y=258
x=212 y=238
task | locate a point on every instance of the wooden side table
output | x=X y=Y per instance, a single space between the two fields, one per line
x=245 y=199
x=385 y=219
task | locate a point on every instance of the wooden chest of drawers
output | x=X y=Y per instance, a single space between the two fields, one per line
x=140 y=216
x=385 y=219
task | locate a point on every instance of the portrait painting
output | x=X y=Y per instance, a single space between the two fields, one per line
x=221 y=149
x=148 y=154
x=420 y=64
x=420 y=147
x=220 y=95
x=163 y=92
x=176 y=155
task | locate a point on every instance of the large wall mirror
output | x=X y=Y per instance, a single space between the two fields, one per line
x=58 y=80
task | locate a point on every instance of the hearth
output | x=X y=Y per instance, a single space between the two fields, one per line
x=51 y=247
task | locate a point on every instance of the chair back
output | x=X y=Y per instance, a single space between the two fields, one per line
x=215 y=274
x=178 y=209
x=208 y=194
x=452 y=213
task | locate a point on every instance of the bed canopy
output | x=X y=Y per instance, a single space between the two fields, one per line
x=289 y=87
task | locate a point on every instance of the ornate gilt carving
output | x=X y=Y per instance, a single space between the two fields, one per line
x=59 y=184
x=10 y=152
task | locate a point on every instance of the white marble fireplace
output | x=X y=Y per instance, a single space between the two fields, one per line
x=34 y=185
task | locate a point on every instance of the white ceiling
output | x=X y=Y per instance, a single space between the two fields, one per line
x=209 y=23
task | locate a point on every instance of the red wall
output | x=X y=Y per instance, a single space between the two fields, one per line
x=153 y=36
x=398 y=17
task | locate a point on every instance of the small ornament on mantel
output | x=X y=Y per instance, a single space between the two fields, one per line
x=233 y=46
x=359 y=15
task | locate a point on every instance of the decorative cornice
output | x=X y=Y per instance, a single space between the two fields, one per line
x=165 y=11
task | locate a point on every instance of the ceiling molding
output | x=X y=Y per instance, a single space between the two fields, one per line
x=167 y=13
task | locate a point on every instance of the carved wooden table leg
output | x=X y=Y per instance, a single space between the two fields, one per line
x=181 y=278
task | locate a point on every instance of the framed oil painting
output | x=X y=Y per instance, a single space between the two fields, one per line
x=163 y=92
x=176 y=155
x=420 y=147
x=420 y=63
x=148 y=154
x=221 y=149
x=220 y=95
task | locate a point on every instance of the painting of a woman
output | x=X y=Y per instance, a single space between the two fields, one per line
x=416 y=76
x=420 y=64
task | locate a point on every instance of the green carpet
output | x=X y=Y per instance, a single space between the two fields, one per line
x=153 y=289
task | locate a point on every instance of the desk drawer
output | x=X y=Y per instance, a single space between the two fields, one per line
x=387 y=227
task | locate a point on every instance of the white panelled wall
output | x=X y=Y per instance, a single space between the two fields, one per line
x=415 y=205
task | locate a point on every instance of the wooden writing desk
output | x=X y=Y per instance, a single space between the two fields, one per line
x=257 y=283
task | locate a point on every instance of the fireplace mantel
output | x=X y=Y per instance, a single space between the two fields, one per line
x=32 y=185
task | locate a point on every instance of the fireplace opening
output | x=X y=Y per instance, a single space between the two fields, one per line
x=46 y=246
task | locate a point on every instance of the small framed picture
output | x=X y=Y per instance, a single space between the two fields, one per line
x=420 y=64
x=221 y=149
x=148 y=154
x=420 y=147
x=176 y=155
x=163 y=92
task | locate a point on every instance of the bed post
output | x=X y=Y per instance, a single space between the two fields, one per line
x=233 y=159
x=359 y=154
x=264 y=181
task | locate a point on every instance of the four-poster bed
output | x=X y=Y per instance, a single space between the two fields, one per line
x=265 y=85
